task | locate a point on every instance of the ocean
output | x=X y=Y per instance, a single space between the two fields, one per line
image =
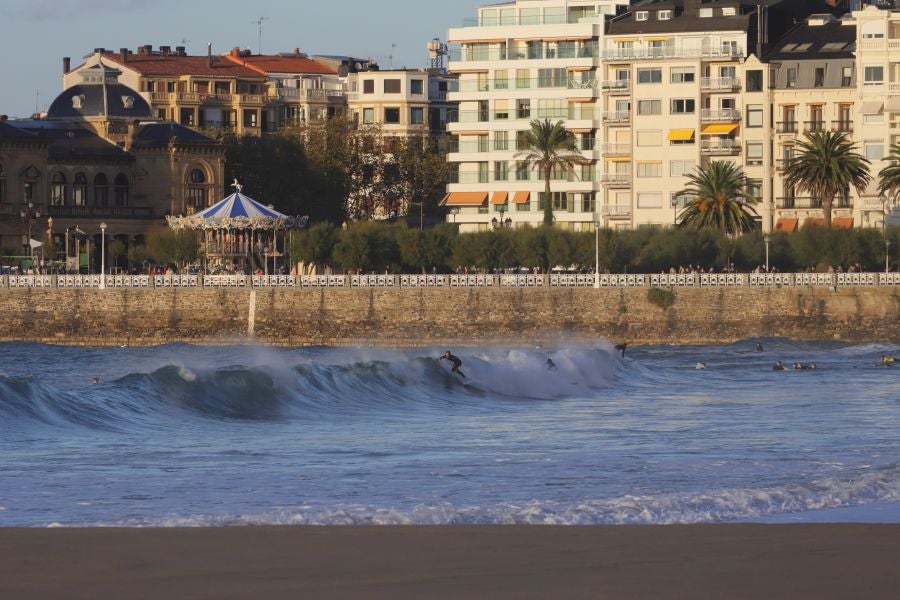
x=180 y=435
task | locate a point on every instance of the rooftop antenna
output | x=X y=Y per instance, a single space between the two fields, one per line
x=390 y=56
x=37 y=101
x=437 y=50
x=259 y=23
x=185 y=42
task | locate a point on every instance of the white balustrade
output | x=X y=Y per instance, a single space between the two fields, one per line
x=521 y=280
x=423 y=281
x=471 y=280
x=814 y=279
x=371 y=281
x=857 y=279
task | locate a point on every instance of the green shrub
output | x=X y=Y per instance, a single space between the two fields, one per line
x=664 y=299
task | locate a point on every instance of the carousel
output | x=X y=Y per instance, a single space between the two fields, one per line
x=240 y=235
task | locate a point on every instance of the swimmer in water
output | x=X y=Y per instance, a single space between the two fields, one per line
x=778 y=366
x=455 y=361
x=551 y=366
x=700 y=366
x=759 y=347
x=95 y=380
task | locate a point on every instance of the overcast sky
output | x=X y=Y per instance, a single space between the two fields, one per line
x=36 y=34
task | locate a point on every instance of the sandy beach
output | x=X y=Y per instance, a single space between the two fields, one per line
x=702 y=561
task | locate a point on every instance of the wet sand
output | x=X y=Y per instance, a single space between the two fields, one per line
x=635 y=562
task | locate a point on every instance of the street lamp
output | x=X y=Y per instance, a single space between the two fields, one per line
x=887 y=255
x=597 y=254
x=30 y=215
x=103 y=255
x=767 y=239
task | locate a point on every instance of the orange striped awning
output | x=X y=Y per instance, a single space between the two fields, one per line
x=521 y=197
x=787 y=225
x=499 y=197
x=814 y=221
x=842 y=222
x=465 y=199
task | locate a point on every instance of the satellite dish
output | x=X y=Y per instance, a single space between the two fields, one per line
x=358 y=66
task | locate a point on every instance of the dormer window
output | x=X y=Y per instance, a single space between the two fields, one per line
x=705 y=13
x=641 y=15
x=664 y=15
x=77 y=101
x=128 y=102
x=729 y=11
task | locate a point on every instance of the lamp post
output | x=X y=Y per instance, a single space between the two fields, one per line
x=103 y=255
x=887 y=255
x=767 y=239
x=30 y=215
x=597 y=255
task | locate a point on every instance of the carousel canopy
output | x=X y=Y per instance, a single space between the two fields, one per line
x=238 y=211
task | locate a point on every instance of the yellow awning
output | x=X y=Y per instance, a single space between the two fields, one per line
x=720 y=128
x=657 y=39
x=465 y=199
x=681 y=135
x=499 y=198
x=617 y=40
x=621 y=159
x=521 y=197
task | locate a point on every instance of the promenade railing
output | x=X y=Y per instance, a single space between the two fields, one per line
x=638 y=280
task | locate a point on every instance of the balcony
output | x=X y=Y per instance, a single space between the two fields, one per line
x=621 y=211
x=724 y=147
x=467 y=147
x=101 y=212
x=511 y=21
x=621 y=118
x=469 y=177
x=726 y=52
x=616 y=86
x=728 y=115
x=782 y=163
x=809 y=203
x=720 y=84
x=615 y=149
x=842 y=126
x=786 y=126
x=616 y=180
x=813 y=126
x=303 y=95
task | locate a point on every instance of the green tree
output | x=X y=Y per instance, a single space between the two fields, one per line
x=422 y=173
x=368 y=246
x=549 y=147
x=314 y=245
x=826 y=164
x=171 y=247
x=889 y=179
x=115 y=249
x=717 y=193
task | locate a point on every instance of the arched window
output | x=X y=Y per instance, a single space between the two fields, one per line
x=58 y=190
x=2 y=184
x=197 y=196
x=80 y=190
x=101 y=190
x=122 y=195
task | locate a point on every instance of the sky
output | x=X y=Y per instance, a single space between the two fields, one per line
x=36 y=34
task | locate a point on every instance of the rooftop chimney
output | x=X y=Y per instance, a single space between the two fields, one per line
x=180 y=51
x=123 y=54
x=165 y=50
x=296 y=51
x=209 y=58
x=236 y=52
x=146 y=49
x=67 y=64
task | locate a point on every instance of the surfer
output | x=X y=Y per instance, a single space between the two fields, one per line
x=759 y=347
x=551 y=366
x=455 y=361
x=700 y=366
x=888 y=361
x=621 y=348
x=778 y=366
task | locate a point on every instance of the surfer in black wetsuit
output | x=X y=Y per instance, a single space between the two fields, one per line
x=621 y=347
x=759 y=347
x=551 y=366
x=455 y=361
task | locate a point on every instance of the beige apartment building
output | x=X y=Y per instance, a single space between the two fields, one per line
x=401 y=101
x=518 y=61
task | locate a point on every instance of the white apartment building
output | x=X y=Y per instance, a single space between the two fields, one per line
x=518 y=61
x=403 y=102
x=877 y=121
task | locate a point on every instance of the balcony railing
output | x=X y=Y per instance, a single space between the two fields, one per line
x=574 y=113
x=531 y=20
x=812 y=126
x=726 y=52
x=714 y=114
x=539 y=53
x=469 y=177
x=786 y=126
x=301 y=95
x=616 y=86
x=470 y=147
x=616 y=211
x=842 y=126
x=720 y=83
x=616 y=180
x=807 y=202
x=523 y=83
x=86 y=212
x=617 y=117
x=615 y=149
x=720 y=147
x=782 y=163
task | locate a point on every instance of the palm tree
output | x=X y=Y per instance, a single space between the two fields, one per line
x=549 y=146
x=826 y=164
x=889 y=177
x=718 y=193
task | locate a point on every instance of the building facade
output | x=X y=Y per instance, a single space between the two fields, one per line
x=518 y=61
x=99 y=155
x=403 y=102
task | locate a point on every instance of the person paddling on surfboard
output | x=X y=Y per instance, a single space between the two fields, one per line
x=455 y=361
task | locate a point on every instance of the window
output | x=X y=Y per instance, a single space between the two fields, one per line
x=197 y=196
x=791 y=77
x=754 y=115
x=873 y=75
x=80 y=190
x=501 y=81
x=679 y=200
x=501 y=171
x=501 y=140
x=649 y=75
x=249 y=118
x=754 y=80
x=589 y=202
x=391 y=86
x=560 y=200
x=649 y=169
x=368 y=116
x=874 y=150
x=682 y=74
x=873 y=119
x=649 y=107
x=706 y=13
x=649 y=200
x=680 y=168
x=392 y=116
x=417 y=116
x=664 y=15
x=819 y=79
x=552 y=78
x=754 y=190
x=122 y=190
x=641 y=15
x=588 y=172
x=523 y=109
x=846 y=76
x=683 y=106
x=58 y=190
x=754 y=153
x=522 y=171
x=728 y=11
x=368 y=86
x=416 y=87
x=649 y=138
x=101 y=190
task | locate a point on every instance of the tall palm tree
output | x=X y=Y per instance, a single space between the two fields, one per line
x=718 y=193
x=549 y=146
x=889 y=177
x=826 y=164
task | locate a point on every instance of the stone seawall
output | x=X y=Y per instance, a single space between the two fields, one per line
x=447 y=316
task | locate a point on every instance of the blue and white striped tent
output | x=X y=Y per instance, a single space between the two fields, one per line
x=238 y=211
x=238 y=205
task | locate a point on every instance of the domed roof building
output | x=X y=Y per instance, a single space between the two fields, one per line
x=100 y=95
